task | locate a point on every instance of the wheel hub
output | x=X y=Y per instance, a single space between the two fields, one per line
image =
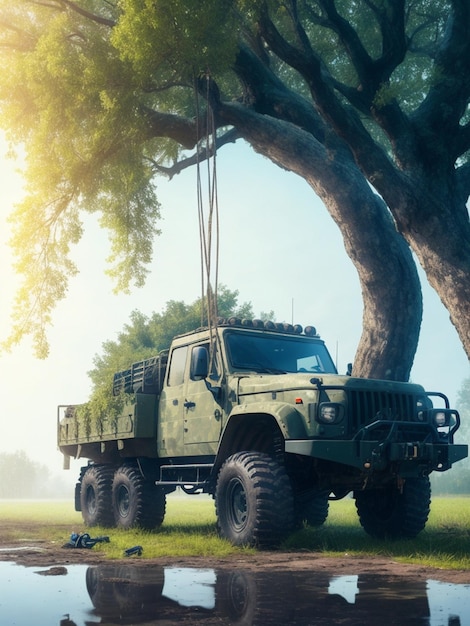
x=238 y=509
x=123 y=501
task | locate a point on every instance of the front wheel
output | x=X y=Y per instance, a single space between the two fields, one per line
x=392 y=513
x=136 y=501
x=253 y=499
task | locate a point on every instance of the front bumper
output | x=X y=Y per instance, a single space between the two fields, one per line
x=409 y=458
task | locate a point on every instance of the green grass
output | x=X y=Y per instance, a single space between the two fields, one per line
x=445 y=542
x=190 y=530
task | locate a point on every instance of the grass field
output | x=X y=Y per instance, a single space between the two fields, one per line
x=190 y=530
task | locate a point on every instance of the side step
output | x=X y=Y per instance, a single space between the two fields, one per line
x=195 y=476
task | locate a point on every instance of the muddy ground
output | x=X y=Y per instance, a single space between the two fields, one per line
x=16 y=546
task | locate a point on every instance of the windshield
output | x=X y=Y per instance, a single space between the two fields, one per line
x=273 y=354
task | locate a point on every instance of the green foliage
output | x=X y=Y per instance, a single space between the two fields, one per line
x=102 y=97
x=66 y=95
x=145 y=336
x=72 y=89
x=177 y=40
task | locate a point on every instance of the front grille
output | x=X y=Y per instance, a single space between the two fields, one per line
x=366 y=407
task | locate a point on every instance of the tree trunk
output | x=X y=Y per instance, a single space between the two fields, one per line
x=387 y=273
x=391 y=289
x=433 y=218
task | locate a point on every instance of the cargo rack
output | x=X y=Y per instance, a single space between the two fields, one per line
x=144 y=376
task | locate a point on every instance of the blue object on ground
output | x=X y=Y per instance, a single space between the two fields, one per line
x=84 y=541
x=135 y=550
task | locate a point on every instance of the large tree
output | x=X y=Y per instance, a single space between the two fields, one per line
x=365 y=99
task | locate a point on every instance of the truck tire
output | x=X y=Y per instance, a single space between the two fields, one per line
x=136 y=501
x=95 y=496
x=253 y=499
x=394 y=514
x=311 y=507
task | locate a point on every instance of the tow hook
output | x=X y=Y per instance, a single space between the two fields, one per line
x=411 y=451
x=406 y=451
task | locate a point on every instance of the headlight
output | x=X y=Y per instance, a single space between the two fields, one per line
x=445 y=418
x=330 y=413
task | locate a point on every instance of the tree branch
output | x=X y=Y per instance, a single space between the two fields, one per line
x=394 y=41
x=90 y=16
x=374 y=74
x=446 y=102
x=199 y=156
x=371 y=157
x=360 y=59
x=391 y=20
x=180 y=129
x=268 y=95
x=73 y=6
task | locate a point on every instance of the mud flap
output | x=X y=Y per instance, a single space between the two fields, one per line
x=78 y=488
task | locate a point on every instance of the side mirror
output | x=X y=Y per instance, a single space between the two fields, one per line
x=199 y=363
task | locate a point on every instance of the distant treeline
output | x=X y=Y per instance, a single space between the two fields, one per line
x=455 y=481
x=20 y=477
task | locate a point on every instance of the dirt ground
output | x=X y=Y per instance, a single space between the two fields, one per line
x=51 y=555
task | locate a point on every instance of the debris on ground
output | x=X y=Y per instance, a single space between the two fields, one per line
x=84 y=541
x=134 y=551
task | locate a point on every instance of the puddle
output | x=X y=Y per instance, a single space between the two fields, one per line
x=129 y=594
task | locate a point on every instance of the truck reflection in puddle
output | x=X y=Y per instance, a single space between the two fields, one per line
x=127 y=594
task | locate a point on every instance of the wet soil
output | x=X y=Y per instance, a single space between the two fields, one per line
x=25 y=551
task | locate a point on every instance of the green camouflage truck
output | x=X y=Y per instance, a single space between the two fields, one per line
x=255 y=414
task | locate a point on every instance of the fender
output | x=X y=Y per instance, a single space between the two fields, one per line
x=290 y=421
x=243 y=419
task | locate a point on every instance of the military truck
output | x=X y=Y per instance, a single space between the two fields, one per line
x=255 y=414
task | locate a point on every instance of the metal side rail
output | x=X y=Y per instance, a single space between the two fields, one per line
x=194 y=475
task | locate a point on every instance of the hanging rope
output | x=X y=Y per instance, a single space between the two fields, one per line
x=208 y=225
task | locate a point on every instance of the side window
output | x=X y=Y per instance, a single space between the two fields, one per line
x=177 y=366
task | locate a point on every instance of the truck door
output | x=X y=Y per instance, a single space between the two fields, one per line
x=202 y=419
x=170 y=422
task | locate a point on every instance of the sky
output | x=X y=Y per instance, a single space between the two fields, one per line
x=278 y=247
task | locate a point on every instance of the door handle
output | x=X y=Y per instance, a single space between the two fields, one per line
x=189 y=405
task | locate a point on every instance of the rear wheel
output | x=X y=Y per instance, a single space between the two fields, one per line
x=95 y=496
x=136 y=501
x=392 y=513
x=254 y=502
